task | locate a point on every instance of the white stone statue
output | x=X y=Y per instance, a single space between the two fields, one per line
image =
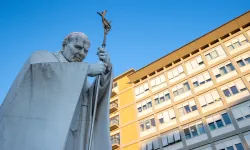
x=50 y=104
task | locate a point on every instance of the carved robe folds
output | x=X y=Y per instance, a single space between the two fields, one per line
x=49 y=107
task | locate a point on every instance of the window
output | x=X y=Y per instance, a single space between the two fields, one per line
x=166 y=116
x=181 y=88
x=201 y=79
x=194 y=130
x=115 y=139
x=170 y=138
x=223 y=69
x=243 y=60
x=147 y=124
x=242 y=112
x=209 y=98
x=152 y=144
x=232 y=143
x=157 y=80
x=141 y=89
x=175 y=72
x=114 y=120
x=194 y=63
x=115 y=85
x=187 y=107
x=214 y=53
x=144 y=105
x=233 y=88
x=236 y=42
x=218 y=121
x=162 y=97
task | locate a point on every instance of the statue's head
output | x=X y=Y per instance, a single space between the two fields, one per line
x=75 y=46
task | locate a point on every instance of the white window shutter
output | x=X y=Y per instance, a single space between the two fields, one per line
x=164 y=139
x=159 y=116
x=179 y=86
x=141 y=89
x=199 y=59
x=194 y=63
x=217 y=117
x=171 y=138
x=161 y=95
x=137 y=91
x=145 y=86
x=157 y=81
x=215 y=95
x=237 y=113
x=220 y=50
x=188 y=66
x=174 y=89
x=235 y=40
x=209 y=98
x=177 y=136
x=138 y=105
x=194 y=79
x=215 y=71
x=200 y=78
x=192 y=103
x=171 y=113
x=162 y=77
x=240 y=84
x=156 y=144
x=143 y=103
x=175 y=72
x=170 y=75
x=166 y=116
x=202 y=101
x=152 y=82
x=180 y=69
x=210 y=119
x=228 y=43
x=245 y=56
x=206 y=75
x=241 y=38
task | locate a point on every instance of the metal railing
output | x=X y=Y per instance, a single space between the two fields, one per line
x=114 y=122
x=115 y=141
x=114 y=104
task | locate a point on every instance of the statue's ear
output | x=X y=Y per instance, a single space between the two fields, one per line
x=64 y=43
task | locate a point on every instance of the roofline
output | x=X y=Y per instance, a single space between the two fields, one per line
x=232 y=25
x=132 y=70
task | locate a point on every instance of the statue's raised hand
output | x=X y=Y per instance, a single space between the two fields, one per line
x=96 y=69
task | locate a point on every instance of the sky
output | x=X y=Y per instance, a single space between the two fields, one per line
x=142 y=30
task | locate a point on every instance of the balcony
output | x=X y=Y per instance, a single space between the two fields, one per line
x=113 y=107
x=115 y=143
x=114 y=124
x=114 y=92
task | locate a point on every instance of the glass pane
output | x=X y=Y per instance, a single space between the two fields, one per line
x=239 y=146
x=153 y=122
x=187 y=109
x=208 y=57
x=226 y=119
x=194 y=131
x=194 y=108
x=181 y=90
x=149 y=104
x=214 y=54
x=212 y=126
x=230 y=47
x=144 y=107
x=187 y=133
x=230 y=148
x=157 y=101
x=237 y=44
x=223 y=71
x=234 y=90
x=247 y=60
x=139 y=109
x=162 y=99
x=161 y=121
x=142 y=127
x=230 y=67
x=226 y=93
x=196 y=84
x=167 y=96
x=219 y=123
x=147 y=124
x=176 y=93
x=241 y=63
x=201 y=128
x=186 y=86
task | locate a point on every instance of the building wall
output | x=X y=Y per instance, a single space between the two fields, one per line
x=214 y=87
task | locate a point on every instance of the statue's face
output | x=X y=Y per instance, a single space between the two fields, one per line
x=76 y=48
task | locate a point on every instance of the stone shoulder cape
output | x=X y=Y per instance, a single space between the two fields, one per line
x=38 y=109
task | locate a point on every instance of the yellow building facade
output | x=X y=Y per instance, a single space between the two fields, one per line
x=197 y=97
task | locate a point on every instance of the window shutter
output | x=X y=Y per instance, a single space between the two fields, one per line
x=170 y=75
x=228 y=43
x=235 y=40
x=245 y=110
x=199 y=59
x=210 y=119
x=152 y=82
x=179 y=86
x=164 y=139
x=209 y=98
x=156 y=144
x=157 y=81
x=171 y=113
x=217 y=117
x=174 y=89
x=215 y=71
x=240 y=85
x=175 y=72
x=145 y=86
x=237 y=113
x=245 y=56
x=138 y=105
x=170 y=138
x=188 y=66
x=177 y=136
x=241 y=38
x=206 y=75
x=150 y=145
x=137 y=91
x=166 y=116
x=141 y=89
x=180 y=69
x=194 y=79
x=215 y=95
x=200 y=78
x=194 y=64
x=220 y=50
x=191 y=103
x=202 y=101
x=162 y=77
x=159 y=116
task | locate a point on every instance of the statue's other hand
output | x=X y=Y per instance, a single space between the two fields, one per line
x=104 y=56
x=96 y=69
